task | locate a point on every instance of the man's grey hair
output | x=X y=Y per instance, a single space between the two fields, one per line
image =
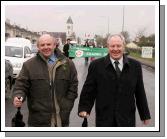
x=116 y=35
x=46 y=34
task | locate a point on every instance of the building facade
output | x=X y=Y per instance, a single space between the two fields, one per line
x=17 y=31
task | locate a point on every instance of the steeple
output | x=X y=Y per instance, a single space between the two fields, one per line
x=69 y=21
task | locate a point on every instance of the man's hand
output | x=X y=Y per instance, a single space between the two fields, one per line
x=83 y=114
x=146 y=122
x=17 y=102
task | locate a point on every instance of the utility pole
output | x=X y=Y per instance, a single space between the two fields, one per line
x=123 y=18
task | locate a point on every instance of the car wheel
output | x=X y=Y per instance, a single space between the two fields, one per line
x=7 y=89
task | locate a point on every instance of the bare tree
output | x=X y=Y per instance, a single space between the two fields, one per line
x=140 y=32
x=125 y=34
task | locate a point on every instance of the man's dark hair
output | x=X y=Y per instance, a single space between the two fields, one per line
x=68 y=39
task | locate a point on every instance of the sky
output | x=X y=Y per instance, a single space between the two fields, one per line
x=90 y=19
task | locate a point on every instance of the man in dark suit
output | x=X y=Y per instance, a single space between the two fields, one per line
x=66 y=48
x=115 y=84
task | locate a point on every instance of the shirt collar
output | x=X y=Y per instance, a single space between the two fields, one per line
x=120 y=60
x=52 y=57
x=109 y=61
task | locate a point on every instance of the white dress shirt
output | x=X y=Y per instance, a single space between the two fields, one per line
x=120 y=65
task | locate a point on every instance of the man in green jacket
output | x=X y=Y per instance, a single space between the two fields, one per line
x=49 y=82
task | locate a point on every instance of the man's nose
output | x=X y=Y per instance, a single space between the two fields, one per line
x=115 y=48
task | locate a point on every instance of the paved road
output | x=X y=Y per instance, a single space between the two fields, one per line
x=75 y=121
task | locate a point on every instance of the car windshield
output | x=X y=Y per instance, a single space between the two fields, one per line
x=13 y=51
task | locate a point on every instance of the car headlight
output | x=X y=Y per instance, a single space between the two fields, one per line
x=17 y=65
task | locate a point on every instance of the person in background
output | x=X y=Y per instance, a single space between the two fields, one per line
x=57 y=43
x=66 y=48
x=86 y=58
x=91 y=45
x=49 y=83
x=115 y=84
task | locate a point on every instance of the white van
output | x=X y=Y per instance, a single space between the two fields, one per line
x=21 y=41
x=17 y=53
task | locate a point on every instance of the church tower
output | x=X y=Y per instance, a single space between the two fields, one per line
x=70 y=33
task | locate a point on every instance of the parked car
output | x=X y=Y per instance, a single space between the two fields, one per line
x=21 y=41
x=8 y=78
x=17 y=54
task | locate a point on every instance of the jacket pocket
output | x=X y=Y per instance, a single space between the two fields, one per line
x=36 y=76
x=39 y=86
x=39 y=79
